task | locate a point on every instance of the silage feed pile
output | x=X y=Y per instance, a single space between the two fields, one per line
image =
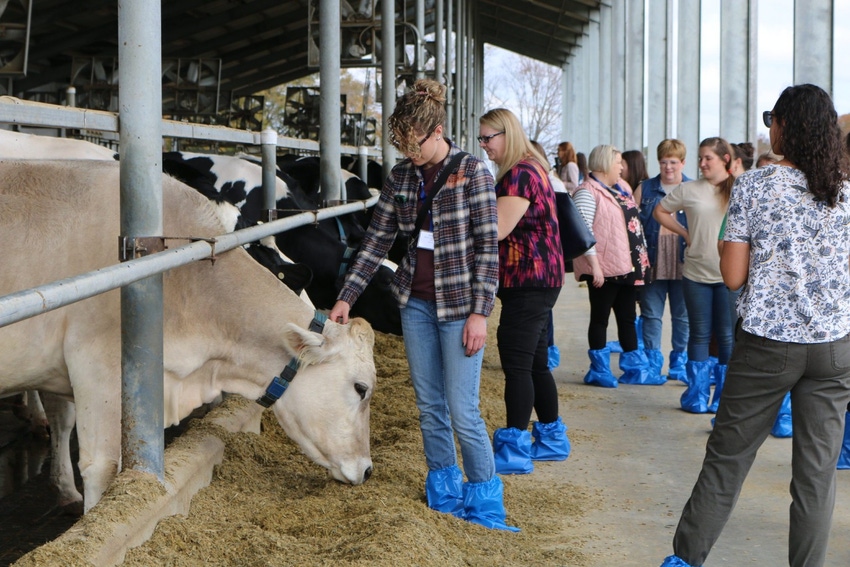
x=268 y=505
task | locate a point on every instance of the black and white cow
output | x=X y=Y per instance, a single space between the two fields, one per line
x=326 y=248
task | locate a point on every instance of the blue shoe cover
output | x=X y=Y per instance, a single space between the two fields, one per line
x=639 y=331
x=782 y=427
x=695 y=397
x=713 y=360
x=719 y=373
x=636 y=369
x=677 y=371
x=656 y=360
x=675 y=561
x=444 y=490
x=550 y=441
x=844 y=457
x=554 y=357
x=512 y=451
x=600 y=369
x=614 y=346
x=483 y=504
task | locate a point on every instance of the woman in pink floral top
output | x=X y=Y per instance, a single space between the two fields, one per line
x=612 y=269
x=531 y=272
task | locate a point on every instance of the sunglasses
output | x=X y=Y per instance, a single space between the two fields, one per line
x=767 y=117
x=486 y=139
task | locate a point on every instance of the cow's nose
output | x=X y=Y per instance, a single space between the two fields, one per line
x=367 y=473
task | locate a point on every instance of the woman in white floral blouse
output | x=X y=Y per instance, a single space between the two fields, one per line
x=788 y=243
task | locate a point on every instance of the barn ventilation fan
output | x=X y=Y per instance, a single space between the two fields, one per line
x=96 y=81
x=246 y=112
x=190 y=87
x=301 y=113
x=15 y=16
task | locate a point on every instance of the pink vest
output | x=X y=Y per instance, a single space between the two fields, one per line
x=609 y=228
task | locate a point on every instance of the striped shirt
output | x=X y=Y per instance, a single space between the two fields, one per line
x=466 y=260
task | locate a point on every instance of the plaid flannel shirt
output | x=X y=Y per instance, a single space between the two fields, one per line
x=466 y=262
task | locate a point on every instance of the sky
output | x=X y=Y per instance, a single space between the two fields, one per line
x=775 y=64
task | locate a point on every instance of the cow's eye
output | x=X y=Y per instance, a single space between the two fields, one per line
x=361 y=389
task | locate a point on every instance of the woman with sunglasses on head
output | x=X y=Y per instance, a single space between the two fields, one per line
x=706 y=297
x=788 y=243
x=445 y=285
x=531 y=272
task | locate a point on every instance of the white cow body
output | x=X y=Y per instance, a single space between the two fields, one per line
x=229 y=326
x=28 y=146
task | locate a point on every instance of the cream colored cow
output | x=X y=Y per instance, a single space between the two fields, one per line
x=229 y=326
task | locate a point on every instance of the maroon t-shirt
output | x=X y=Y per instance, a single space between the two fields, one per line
x=423 y=275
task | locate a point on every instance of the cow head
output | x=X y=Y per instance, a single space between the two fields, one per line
x=326 y=408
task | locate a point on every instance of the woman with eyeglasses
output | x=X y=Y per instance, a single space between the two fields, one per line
x=445 y=286
x=531 y=273
x=788 y=243
x=613 y=269
x=706 y=297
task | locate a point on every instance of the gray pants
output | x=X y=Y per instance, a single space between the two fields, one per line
x=760 y=373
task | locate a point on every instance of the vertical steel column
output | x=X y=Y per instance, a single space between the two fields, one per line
x=140 y=61
x=813 y=33
x=460 y=70
x=658 y=79
x=450 y=68
x=268 y=147
x=688 y=83
x=329 y=111
x=473 y=73
x=592 y=76
x=387 y=80
x=634 y=122
x=583 y=143
x=567 y=99
x=618 y=74
x=420 y=39
x=735 y=70
x=440 y=43
x=605 y=75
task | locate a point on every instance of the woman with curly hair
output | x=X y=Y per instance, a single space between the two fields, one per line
x=445 y=286
x=788 y=243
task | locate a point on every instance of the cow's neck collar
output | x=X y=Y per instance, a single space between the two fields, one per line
x=280 y=383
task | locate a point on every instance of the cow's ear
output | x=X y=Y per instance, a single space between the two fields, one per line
x=307 y=346
x=362 y=333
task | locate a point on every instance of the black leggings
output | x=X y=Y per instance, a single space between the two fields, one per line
x=621 y=298
x=524 y=353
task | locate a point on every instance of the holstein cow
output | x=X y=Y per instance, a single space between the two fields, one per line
x=326 y=248
x=229 y=326
x=29 y=146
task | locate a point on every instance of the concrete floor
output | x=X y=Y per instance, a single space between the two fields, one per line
x=642 y=453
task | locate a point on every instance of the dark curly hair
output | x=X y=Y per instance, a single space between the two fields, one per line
x=809 y=138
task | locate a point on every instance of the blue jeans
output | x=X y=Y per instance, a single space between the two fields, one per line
x=652 y=301
x=708 y=311
x=446 y=384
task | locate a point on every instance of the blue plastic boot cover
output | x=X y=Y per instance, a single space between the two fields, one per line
x=677 y=371
x=550 y=441
x=483 y=504
x=719 y=372
x=600 y=369
x=675 y=561
x=554 y=357
x=782 y=427
x=639 y=331
x=636 y=369
x=614 y=346
x=713 y=360
x=512 y=451
x=444 y=490
x=695 y=397
x=844 y=457
x=656 y=360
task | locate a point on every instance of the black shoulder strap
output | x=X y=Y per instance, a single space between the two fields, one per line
x=450 y=168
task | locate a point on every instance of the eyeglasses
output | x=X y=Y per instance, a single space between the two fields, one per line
x=486 y=139
x=425 y=139
x=767 y=117
x=397 y=143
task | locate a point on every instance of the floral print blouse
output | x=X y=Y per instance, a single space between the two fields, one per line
x=798 y=287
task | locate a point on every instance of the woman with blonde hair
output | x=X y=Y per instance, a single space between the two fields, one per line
x=531 y=272
x=613 y=269
x=445 y=285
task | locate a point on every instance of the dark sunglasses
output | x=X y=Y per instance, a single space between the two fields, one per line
x=486 y=139
x=767 y=117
